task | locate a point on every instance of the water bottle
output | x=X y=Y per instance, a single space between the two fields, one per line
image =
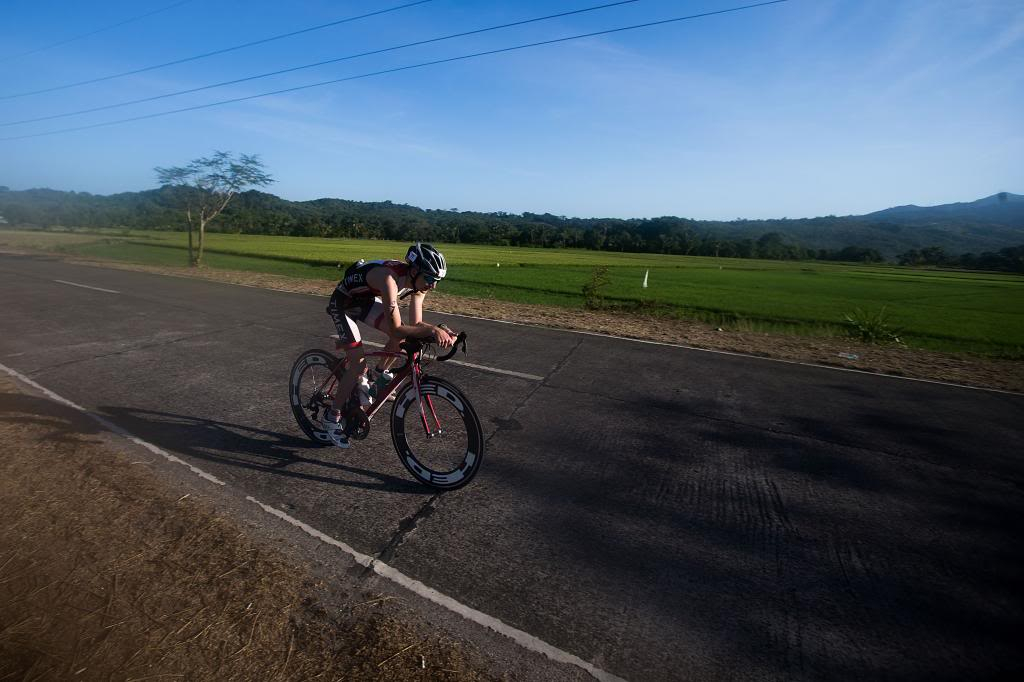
x=380 y=383
x=364 y=390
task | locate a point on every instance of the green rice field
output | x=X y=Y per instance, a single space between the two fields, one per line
x=946 y=310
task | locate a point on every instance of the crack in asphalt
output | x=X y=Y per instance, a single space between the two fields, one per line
x=405 y=528
x=411 y=523
x=509 y=422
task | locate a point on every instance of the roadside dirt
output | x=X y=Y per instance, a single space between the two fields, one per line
x=107 y=575
x=962 y=369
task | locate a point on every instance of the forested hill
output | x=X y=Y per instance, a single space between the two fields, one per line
x=987 y=225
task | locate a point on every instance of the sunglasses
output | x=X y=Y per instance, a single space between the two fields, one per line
x=430 y=279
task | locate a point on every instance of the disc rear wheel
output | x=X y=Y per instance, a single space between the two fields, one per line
x=309 y=374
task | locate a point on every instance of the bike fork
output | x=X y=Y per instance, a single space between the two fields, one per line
x=423 y=412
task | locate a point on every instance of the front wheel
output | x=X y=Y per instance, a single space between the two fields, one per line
x=438 y=439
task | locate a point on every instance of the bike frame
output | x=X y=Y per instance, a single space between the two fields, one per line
x=411 y=369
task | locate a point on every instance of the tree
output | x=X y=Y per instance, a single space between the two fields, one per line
x=853 y=254
x=910 y=257
x=771 y=245
x=205 y=186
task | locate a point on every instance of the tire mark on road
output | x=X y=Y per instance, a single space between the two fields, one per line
x=778 y=506
x=675 y=413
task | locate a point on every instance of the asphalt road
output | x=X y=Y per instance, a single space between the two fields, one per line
x=662 y=513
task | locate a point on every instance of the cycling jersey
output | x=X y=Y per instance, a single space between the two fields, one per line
x=355 y=283
x=354 y=300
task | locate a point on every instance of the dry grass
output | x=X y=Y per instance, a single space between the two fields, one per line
x=107 y=575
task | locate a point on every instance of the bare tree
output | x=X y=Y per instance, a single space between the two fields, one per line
x=205 y=187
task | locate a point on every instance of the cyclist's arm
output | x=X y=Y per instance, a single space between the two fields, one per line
x=444 y=338
x=416 y=307
x=384 y=282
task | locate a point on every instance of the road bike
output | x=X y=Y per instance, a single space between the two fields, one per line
x=434 y=428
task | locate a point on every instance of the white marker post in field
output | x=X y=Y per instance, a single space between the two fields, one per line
x=647 y=272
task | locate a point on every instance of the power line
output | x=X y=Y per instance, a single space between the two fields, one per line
x=212 y=53
x=310 y=66
x=395 y=70
x=92 y=33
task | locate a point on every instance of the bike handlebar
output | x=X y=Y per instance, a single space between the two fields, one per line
x=459 y=340
x=411 y=346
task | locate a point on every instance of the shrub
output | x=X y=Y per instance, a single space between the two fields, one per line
x=871 y=327
x=592 y=297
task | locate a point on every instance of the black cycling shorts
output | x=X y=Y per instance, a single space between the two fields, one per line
x=346 y=311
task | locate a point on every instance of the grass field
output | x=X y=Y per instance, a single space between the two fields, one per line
x=945 y=310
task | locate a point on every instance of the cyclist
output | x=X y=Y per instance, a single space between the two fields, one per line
x=370 y=293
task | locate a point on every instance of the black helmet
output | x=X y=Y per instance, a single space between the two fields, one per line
x=428 y=259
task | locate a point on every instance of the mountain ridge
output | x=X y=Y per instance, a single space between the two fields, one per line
x=1000 y=204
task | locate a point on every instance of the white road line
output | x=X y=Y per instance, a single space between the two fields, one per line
x=361 y=559
x=521 y=375
x=110 y=426
x=523 y=639
x=485 y=368
x=86 y=286
x=626 y=338
x=737 y=354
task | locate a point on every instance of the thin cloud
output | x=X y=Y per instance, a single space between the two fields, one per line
x=1011 y=36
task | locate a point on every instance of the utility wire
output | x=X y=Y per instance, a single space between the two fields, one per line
x=310 y=66
x=396 y=70
x=214 y=52
x=92 y=33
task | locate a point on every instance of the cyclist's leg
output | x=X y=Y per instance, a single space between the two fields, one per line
x=349 y=338
x=356 y=366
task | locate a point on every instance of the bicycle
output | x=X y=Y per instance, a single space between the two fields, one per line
x=444 y=458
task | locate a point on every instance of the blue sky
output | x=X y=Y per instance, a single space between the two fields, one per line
x=805 y=108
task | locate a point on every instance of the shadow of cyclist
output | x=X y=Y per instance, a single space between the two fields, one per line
x=252 y=448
